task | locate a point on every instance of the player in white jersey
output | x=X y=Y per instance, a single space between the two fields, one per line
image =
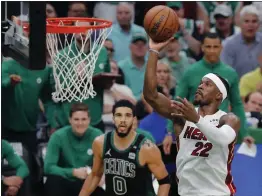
x=206 y=134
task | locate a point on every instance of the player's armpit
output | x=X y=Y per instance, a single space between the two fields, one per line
x=150 y=155
x=95 y=176
x=232 y=120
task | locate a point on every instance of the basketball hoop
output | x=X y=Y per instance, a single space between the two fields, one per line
x=74 y=58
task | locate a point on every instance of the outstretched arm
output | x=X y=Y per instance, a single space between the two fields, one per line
x=150 y=155
x=95 y=176
x=224 y=134
x=158 y=101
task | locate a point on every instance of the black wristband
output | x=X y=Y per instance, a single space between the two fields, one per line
x=165 y=180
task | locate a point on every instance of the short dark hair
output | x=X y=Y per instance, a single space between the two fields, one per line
x=109 y=39
x=211 y=36
x=124 y=103
x=247 y=97
x=76 y=2
x=225 y=82
x=76 y=107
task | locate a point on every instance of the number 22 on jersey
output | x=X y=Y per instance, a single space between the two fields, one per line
x=202 y=149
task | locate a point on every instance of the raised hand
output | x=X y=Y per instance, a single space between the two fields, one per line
x=185 y=110
x=158 y=46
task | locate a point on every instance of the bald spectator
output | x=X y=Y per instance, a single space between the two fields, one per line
x=77 y=9
x=241 y=50
x=224 y=25
x=123 y=30
x=251 y=81
x=253 y=109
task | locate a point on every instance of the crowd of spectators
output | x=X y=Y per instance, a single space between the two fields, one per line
x=223 y=38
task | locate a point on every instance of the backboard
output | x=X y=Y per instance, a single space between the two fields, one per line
x=28 y=48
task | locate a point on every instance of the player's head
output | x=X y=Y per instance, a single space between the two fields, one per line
x=212 y=47
x=212 y=88
x=79 y=118
x=123 y=117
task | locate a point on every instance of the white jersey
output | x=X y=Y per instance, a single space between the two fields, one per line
x=203 y=168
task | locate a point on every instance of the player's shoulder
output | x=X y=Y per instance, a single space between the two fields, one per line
x=99 y=140
x=149 y=151
x=147 y=146
x=98 y=144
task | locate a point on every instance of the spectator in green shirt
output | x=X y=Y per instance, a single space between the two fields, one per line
x=21 y=90
x=69 y=155
x=12 y=184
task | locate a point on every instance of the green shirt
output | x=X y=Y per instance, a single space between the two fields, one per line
x=20 y=102
x=58 y=114
x=179 y=67
x=66 y=151
x=14 y=160
x=134 y=76
x=190 y=81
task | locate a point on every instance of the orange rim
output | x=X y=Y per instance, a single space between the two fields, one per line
x=52 y=25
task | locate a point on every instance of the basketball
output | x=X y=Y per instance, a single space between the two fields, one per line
x=161 y=23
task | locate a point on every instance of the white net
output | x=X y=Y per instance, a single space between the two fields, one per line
x=73 y=58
